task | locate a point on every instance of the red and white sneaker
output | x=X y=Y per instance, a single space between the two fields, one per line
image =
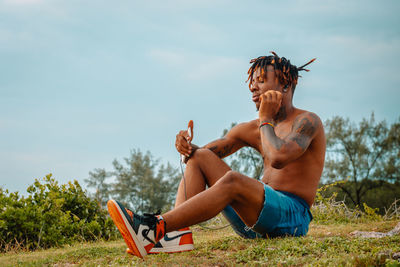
x=141 y=233
x=172 y=242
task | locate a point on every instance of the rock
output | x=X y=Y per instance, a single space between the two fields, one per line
x=368 y=234
x=394 y=231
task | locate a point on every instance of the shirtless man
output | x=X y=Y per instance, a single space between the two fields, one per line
x=292 y=144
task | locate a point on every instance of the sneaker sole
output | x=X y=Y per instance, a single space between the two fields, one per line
x=181 y=248
x=125 y=229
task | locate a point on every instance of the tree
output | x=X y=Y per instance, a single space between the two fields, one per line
x=246 y=161
x=139 y=181
x=97 y=180
x=368 y=155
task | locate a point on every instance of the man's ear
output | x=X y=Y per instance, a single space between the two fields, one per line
x=285 y=88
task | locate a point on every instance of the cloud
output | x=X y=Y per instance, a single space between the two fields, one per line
x=365 y=46
x=213 y=67
x=166 y=57
x=22 y=2
x=206 y=67
x=184 y=5
x=366 y=58
x=205 y=33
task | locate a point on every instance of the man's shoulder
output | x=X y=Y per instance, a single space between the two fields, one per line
x=309 y=124
x=307 y=116
x=243 y=128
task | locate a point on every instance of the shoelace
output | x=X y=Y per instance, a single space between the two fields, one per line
x=150 y=220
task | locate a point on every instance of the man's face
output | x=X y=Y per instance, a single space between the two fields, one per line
x=262 y=84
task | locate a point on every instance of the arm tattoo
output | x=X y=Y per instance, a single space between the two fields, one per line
x=305 y=128
x=222 y=152
x=273 y=139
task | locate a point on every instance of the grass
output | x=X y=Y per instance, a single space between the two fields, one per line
x=325 y=245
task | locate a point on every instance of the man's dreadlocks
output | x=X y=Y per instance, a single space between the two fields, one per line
x=286 y=73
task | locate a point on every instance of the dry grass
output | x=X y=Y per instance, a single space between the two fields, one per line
x=325 y=245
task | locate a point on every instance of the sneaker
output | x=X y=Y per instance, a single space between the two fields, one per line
x=141 y=233
x=172 y=242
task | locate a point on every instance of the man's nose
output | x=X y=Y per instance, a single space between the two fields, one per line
x=253 y=87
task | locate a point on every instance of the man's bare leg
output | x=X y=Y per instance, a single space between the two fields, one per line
x=244 y=194
x=203 y=168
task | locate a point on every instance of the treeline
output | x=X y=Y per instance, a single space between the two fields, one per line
x=362 y=164
x=363 y=161
x=139 y=181
x=364 y=157
x=381 y=195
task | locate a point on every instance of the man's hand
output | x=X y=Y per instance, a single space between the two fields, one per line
x=183 y=143
x=271 y=101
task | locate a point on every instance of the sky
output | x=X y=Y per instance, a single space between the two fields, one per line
x=84 y=82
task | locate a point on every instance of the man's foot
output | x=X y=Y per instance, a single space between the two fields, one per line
x=175 y=241
x=141 y=233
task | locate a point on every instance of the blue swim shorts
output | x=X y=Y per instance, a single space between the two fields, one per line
x=283 y=214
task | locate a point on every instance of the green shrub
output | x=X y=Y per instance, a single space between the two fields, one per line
x=329 y=210
x=51 y=215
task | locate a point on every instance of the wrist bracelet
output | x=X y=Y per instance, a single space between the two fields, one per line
x=267 y=123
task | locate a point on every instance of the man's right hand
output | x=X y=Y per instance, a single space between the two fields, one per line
x=271 y=101
x=183 y=143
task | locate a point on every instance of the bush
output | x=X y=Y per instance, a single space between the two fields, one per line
x=327 y=209
x=51 y=215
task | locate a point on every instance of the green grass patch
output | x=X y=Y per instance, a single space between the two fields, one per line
x=325 y=245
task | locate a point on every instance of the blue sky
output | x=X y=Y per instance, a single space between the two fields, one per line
x=83 y=82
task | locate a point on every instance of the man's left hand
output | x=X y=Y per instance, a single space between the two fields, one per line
x=271 y=101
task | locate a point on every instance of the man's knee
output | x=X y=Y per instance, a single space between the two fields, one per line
x=231 y=180
x=200 y=154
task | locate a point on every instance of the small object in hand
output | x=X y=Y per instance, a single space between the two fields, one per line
x=190 y=133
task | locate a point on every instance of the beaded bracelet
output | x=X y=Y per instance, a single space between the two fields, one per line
x=267 y=123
